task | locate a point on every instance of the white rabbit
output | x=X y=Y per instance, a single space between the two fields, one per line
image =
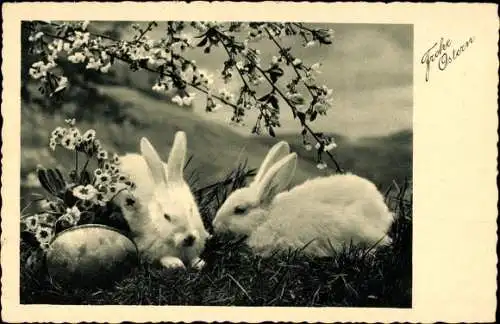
x=161 y=211
x=319 y=216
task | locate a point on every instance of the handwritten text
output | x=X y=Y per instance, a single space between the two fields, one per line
x=443 y=54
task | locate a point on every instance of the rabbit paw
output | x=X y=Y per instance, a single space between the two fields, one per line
x=198 y=264
x=172 y=263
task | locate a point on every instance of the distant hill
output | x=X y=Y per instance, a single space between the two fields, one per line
x=217 y=149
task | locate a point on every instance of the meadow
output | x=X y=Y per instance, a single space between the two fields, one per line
x=122 y=112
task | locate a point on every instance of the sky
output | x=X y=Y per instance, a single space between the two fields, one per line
x=369 y=67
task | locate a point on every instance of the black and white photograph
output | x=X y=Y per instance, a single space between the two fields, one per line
x=223 y=162
x=216 y=163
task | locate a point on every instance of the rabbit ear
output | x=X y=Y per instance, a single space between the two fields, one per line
x=277 y=178
x=276 y=153
x=177 y=157
x=153 y=160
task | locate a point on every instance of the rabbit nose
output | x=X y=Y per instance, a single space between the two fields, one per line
x=189 y=240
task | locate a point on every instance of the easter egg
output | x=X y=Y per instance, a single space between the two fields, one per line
x=90 y=255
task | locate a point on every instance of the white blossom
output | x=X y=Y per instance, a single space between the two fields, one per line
x=105 y=68
x=158 y=87
x=94 y=64
x=76 y=57
x=85 y=24
x=315 y=67
x=297 y=62
x=311 y=43
x=330 y=146
x=321 y=165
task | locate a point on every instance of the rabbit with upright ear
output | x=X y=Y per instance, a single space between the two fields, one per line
x=161 y=211
x=319 y=216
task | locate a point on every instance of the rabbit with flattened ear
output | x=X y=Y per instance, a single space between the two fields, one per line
x=161 y=211
x=319 y=216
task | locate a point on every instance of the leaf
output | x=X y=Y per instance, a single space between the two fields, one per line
x=265 y=97
x=273 y=100
x=203 y=42
x=55 y=180
x=325 y=41
x=297 y=100
x=313 y=115
x=42 y=177
x=271 y=132
x=275 y=73
x=59 y=175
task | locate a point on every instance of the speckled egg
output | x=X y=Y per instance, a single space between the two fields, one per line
x=90 y=255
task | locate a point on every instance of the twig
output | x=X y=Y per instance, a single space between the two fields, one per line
x=274 y=87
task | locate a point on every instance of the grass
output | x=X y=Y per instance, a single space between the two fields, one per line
x=235 y=276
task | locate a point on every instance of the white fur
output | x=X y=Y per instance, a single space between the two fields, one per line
x=317 y=216
x=161 y=189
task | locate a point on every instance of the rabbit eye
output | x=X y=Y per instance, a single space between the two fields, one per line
x=240 y=210
x=167 y=217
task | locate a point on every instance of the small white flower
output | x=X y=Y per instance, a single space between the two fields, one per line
x=31 y=222
x=68 y=142
x=321 y=165
x=52 y=144
x=105 y=68
x=239 y=65
x=68 y=220
x=116 y=159
x=100 y=199
x=89 y=135
x=205 y=78
x=66 y=47
x=102 y=154
x=226 y=95
x=38 y=64
x=76 y=57
x=104 y=55
x=87 y=192
x=158 y=87
x=317 y=146
x=315 y=67
x=187 y=74
x=47 y=219
x=188 y=99
x=62 y=83
x=297 y=62
x=59 y=45
x=274 y=59
x=177 y=100
x=44 y=204
x=188 y=38
x=320 y=107
x=310 y=44
x=308 y=147
x=35 y=74
x=44 y=234
x=330 y=146
x=94 y=64
x=85 y=24
x=35 y=37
